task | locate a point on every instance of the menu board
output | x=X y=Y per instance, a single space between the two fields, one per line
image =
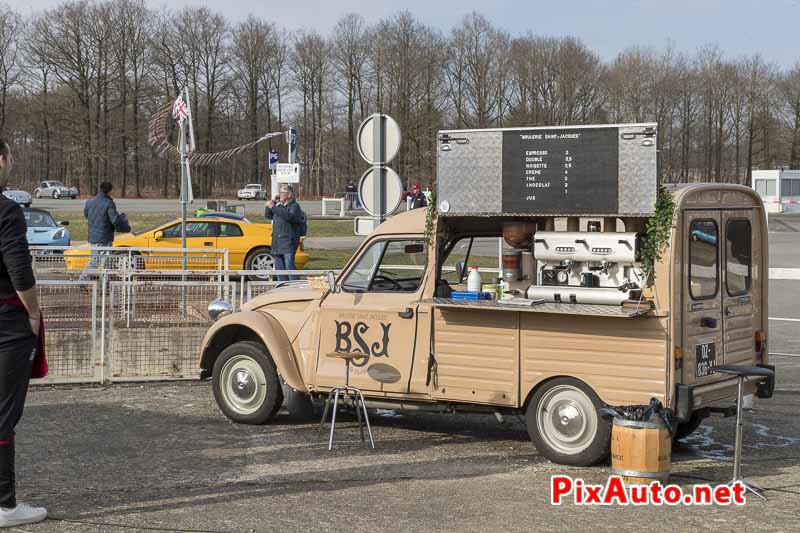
x=561 y=171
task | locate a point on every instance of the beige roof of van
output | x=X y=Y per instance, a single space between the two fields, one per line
x=408 y=222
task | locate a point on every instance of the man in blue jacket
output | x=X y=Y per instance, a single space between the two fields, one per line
x=101 y=212
x=286 y=216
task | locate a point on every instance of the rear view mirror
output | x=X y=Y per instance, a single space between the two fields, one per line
x=460 y=270
x=331 y=282
x=158 y=235
x=413 y=249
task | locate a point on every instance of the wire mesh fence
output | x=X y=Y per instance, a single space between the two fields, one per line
x=72 y=334
x=155 y=328
x=115 y=315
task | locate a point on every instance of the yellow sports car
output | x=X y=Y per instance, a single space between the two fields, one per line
x=248 y=245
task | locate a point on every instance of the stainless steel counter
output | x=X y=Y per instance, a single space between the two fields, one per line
x=615 y=311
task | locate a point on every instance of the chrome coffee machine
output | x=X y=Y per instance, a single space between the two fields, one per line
x=585 y=267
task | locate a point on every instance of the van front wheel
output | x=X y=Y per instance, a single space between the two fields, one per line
x=563 y=423
x=246 y=385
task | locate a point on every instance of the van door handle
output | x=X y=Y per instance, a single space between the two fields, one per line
x=708 y=322
x=208 y=243
x=408 y=313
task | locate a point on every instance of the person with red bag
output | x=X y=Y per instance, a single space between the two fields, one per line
x=20 y=343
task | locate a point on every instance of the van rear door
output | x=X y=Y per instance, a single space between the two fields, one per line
x=723 y=305
x=703 y=329
x=741 y=298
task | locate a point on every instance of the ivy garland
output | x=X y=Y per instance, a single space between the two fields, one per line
x=657 y=234
x=430 y=220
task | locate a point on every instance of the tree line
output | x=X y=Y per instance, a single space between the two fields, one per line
x=79 y=82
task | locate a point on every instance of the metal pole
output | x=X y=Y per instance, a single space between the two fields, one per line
x=184 y=191
x=378 y=169
x=737 y=452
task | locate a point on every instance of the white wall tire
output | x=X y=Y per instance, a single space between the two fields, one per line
x=246 y=384
x=564 y=426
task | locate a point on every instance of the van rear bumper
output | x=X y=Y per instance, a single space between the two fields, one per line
x=690 y=398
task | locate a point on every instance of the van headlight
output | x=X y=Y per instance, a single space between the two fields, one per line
x=59 y=234
x=218 y=309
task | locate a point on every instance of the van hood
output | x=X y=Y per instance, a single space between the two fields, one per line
x=296 y=292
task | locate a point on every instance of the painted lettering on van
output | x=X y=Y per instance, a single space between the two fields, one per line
x=348 y=334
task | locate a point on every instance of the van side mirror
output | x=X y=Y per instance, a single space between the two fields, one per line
x=64 y=223
x=158 y=235
x=332 y=283
x=460 y=270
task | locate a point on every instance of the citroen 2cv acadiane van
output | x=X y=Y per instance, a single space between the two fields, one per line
x=585 y=332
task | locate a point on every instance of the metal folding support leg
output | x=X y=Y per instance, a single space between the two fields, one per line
x=358 y=404
x=737 y=453
x=357 y=398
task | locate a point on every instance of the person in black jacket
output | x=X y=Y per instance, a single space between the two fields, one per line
x=286 y=217
x=20 y=320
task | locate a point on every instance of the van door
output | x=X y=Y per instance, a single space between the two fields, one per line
x=741 y=300
x=375 y=314
x=703 y=328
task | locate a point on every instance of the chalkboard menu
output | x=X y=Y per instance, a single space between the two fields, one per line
x=561 y=171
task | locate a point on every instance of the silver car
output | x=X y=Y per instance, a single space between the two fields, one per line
x=21 y=197
x=56 y=190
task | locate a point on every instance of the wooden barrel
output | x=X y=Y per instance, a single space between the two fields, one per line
x=641 y=452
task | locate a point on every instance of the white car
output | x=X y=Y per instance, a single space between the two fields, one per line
x=252 y=191
x=21 y=197
x=56 y=190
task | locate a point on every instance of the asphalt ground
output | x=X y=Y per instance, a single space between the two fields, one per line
x=162 y=457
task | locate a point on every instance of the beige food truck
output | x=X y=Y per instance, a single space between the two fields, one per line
x=584 y=327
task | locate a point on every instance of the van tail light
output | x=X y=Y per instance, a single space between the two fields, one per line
x=678 y=358
x=761 y=342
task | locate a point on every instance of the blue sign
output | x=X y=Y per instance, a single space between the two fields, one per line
x=274 y=157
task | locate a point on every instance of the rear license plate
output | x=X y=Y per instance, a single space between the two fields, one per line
x=706 y=357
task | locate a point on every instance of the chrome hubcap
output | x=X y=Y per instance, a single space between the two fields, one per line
x=566 y=419
x=243 y=384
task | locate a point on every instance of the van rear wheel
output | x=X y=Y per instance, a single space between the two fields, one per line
x=685 y=429
x=246 y=385
x=563 y=423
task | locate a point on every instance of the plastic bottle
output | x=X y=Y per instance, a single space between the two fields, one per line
x=474 y=280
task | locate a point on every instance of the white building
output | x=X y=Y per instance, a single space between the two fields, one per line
x=779 y=189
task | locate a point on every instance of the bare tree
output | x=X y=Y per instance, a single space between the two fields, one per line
x=790 y=89
x=10 y=31
x=249 y=59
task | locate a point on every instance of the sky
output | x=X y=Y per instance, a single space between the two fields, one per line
x=739 y=27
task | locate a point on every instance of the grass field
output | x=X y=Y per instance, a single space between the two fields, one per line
x=139 y=222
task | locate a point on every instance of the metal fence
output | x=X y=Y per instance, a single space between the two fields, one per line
x=138 y=315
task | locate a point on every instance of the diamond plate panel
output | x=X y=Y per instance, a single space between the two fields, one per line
x=470 y=174
x=637 y=173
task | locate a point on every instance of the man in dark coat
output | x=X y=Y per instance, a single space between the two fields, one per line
x=286 y=216
x=101 y=212
x=20 y=321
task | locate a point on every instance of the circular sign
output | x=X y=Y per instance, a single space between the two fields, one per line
x=392 y=191
x=366 y=139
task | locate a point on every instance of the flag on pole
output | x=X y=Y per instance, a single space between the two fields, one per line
x=179 y=110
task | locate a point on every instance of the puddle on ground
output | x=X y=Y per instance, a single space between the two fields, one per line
x=704 y=443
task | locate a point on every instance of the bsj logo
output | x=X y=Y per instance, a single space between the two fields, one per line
x=347 y=334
